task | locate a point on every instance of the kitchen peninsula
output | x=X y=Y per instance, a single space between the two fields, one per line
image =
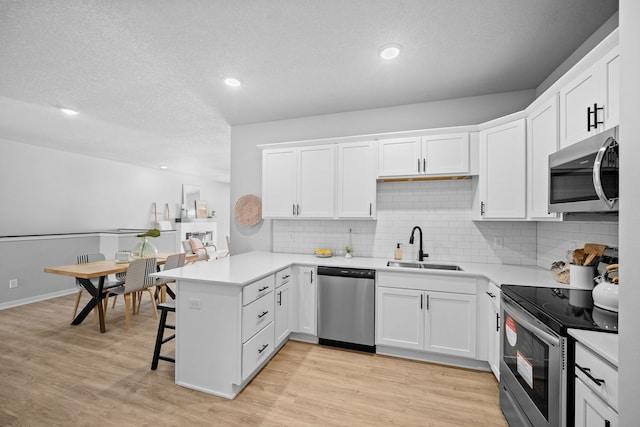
x=233 y=314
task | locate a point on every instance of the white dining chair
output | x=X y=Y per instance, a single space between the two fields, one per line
x=137 y=282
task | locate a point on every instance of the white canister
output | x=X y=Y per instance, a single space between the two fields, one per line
x=581 y=276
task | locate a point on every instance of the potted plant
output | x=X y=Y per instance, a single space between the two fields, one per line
x=145 y=249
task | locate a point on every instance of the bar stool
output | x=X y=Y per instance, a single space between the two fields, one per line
x=164 y=308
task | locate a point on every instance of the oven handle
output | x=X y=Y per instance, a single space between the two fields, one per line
x=597 y=168
x=543 y=335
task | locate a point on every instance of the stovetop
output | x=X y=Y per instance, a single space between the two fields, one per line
x=561 y=309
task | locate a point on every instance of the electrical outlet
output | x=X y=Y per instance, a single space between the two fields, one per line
x=13 y=283
x=195 y=303
x=497 y=242
x=292 y=236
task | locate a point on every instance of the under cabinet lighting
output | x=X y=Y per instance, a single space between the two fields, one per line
x=232 y=82
x=68 y=111
x=390 y=51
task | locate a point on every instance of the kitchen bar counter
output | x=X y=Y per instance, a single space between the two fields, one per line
x=240 y=270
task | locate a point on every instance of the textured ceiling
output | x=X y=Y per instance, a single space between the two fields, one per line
x=146 y=74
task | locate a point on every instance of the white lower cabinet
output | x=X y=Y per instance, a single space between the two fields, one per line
x=596 y=390
x=257 y=350
x=591 y=410
x=283 y=314
x=438 y=322
x=493 y=329
x=307 y=300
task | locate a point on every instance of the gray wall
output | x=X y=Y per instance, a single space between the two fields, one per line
x=246 y=164
x=629 y=372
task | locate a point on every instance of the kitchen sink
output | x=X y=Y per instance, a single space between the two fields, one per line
x=415 y=264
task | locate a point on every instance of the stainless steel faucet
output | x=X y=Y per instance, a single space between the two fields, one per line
x=421 y=255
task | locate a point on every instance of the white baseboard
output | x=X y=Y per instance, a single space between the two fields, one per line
x=24 y=301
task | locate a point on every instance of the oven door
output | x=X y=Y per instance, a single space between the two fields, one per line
x=532 y=372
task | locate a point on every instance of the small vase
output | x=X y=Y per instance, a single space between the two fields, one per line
x=144 y=249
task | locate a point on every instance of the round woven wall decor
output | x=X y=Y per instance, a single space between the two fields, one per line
x=248 y=210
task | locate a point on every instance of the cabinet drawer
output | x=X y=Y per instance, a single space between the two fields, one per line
x=600 y=370
x=257 y=289
x=257 y=350
x=256 y=316
x=283 y=277
x=427 y=282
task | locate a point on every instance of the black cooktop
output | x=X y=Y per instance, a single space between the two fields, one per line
x=561 y=309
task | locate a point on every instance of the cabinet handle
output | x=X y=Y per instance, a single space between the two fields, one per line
x=280 y=298
x=587 y=372
x=286 y=277
x=594 y=113
x=424 y=165
x=421 y=297
x=497 y=322
x=427 y=301
x=481 y=208
x=263 y=348
x=297 y=210
x=311 y=276
x=370 y=209
x=264 y=313
x=490 y=294
x=293 y=212
x=418 y=165
x=263 y=289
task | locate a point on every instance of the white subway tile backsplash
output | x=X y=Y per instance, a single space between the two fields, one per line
x=443 y=210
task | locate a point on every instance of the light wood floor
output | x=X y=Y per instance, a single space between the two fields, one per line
x=52 y=373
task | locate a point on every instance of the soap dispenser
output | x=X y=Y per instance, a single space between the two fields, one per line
x=398 y=252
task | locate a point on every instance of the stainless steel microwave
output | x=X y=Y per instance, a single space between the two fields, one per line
x=583 y=178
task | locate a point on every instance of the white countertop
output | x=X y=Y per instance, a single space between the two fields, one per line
x=604 y=344
x=240 y=270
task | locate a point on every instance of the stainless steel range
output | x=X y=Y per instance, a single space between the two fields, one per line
x=536 y=370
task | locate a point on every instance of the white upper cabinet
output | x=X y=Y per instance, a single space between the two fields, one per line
x=357 y=172
x=590 y=103
x=502 y=182
x=316 y=182
x=399 y=157
x=427 y=155
x=279 y=182
x=446 y=154
x=298 y=182
x=542 y=138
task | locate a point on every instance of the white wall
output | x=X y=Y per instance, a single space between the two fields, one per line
x=629 y=322
x=246 y=163
x=45 y=191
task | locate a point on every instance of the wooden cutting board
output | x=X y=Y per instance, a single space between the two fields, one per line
x=594 y=247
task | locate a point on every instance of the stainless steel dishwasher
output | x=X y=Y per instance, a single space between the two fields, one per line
x=346 y=308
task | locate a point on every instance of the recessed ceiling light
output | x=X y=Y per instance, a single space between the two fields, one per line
x=390 y=51
x=68 y=111
x=232 y=82
x=164 y=167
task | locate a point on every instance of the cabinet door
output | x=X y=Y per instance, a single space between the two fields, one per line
x=502 y=177
x=446 y=154
x=316 y=181
x=357 y=172
x=451 y=324
x=398 y=157
x=278 y=183
x=400 y=318
x=542 y=131
x=307 y=305
x=283 y=315
x=591 y=410
x=493 y=331
x=610 y=66
x=575 y=99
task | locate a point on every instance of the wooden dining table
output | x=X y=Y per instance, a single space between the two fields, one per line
x=100 y=269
